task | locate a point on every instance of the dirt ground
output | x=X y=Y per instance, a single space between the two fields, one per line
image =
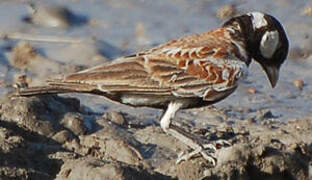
x=47 y=137
x=74 y=136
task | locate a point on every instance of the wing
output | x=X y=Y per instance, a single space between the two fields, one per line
x=123 y=75
x=195 y=66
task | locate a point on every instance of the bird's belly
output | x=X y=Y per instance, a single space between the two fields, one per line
x=162 y=101
x=146 y=100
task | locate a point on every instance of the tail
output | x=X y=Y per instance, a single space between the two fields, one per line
x=55 y=88
x=31 y=91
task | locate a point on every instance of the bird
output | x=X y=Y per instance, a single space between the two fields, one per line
x=189 y=72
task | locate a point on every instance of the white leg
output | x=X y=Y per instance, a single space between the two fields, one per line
x=172 y=108
x=178 y=133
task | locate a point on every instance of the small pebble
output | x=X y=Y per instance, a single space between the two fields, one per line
x=251 y=121
x=264 y=114
x=252 y=91
x=139 y=30
x=49 y=15
x=115 y=117
x=307 y=11
x=226 y=11
x=3 y=83
x=75 y=123
x=298 y=83
x=140 y=34
x=22 y=54
x=300 y=53
x=63 y=136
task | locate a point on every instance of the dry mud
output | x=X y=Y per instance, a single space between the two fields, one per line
x=52 y=137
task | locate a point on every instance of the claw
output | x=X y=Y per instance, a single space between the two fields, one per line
x=186 y=156
x=211 y=159
x=210 y=147
x=206 y=155
x=222 y=142
x=206 y=151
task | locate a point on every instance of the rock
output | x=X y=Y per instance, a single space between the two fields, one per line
x=24 y=154
x=49 y=15
x=39 y=114
x=63 y=136
x=25 y=57
x=298 y=83
x=35 y=135
x=307 y=11
x=300 y=53
x=92 y=168
x=22 y=55
x=140 y=34
x=264 y=114
x=75 y=123
x=258 y=157
x=113 y=142
x=227 y=11
x=252 y=90
x=115 y=117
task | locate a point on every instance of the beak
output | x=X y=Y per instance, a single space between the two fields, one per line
x=272 y=73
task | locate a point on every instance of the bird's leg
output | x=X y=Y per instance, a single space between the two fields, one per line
x=183 y=136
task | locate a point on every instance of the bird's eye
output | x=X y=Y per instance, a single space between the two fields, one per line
x=269 y=43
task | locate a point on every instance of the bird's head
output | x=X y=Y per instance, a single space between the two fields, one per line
x=266 y=41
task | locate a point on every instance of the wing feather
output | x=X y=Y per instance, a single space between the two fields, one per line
x=195 y=66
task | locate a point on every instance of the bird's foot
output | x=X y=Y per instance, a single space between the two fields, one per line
x=206 y=154
x=206 y=151
x=222 y=143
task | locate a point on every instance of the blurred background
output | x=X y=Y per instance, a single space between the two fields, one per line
x=42 y=39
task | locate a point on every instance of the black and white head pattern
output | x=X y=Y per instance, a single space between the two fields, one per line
x=270 y=40
x=265 y=40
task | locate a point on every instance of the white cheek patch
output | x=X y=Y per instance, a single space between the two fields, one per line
x=257 y=19
x=269 y=43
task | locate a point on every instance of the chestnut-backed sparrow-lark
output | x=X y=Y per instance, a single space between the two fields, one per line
x=193 y=71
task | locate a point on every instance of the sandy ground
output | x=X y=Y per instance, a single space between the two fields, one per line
x=76 y=136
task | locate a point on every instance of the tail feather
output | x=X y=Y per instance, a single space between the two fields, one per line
x=31 y=91
x=55 y=88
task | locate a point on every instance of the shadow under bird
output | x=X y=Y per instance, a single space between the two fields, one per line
x=193 y=71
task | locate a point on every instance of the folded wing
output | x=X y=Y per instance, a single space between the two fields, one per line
x=195 y=66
